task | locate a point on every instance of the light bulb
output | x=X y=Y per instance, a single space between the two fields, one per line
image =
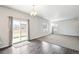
x=33 y=13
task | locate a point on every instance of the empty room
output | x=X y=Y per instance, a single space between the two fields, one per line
x=39 y=29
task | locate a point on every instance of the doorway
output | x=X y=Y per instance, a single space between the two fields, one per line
x=19 y=30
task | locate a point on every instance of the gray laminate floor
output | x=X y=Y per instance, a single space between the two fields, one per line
x=71 y=42
x=37 y=47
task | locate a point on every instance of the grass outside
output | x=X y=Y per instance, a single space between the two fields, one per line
x=17 y=36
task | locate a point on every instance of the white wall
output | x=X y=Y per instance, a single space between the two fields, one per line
x=67 y=27
x=35 y=25
x=36 y=29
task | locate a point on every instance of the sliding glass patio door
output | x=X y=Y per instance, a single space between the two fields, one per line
x=23 y=30
x=20 y=30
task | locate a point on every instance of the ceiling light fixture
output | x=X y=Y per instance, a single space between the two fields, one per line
x=33 y=12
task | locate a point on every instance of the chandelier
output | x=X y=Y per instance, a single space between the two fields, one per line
x=33 y=12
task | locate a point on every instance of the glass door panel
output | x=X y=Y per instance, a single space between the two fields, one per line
x=24 y=30
x=20 y=30
x=16 y=31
